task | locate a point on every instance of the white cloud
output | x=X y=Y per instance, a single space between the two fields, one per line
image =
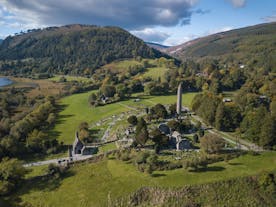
x=185 y=38
x=238 y=3
x=179 y=40
x=125 y=13
x=213 y=31
x=151 y=35
x=271 y=18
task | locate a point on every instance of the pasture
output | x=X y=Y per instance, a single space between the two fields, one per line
x=94 y=184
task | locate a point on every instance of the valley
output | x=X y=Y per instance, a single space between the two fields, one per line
x=96 y=117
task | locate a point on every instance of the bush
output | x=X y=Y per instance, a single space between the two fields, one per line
x=211 y=143
x=142 y=157
x=132 y=120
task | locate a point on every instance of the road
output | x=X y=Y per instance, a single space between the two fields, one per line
x=56 y=161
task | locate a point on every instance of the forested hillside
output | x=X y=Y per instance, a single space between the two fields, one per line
x=256 y=43
x=72 y=49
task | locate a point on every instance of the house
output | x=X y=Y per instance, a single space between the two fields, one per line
x=177 y=142
x=79 y=148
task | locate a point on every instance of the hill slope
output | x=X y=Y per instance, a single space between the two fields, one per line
x=156 y=46
x=74 y=49
x=255 y=41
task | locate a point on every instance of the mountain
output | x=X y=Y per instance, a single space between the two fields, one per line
x=257 y=42
x=71 y=49
x=1 y=41
x=156 y=46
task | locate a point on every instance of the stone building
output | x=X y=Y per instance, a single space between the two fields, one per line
x=177 y=142
x=79 y=148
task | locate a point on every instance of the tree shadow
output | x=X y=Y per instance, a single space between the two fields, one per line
x=209 y=169
x=62 y=118
x=39 y=183
x=156 y=175
x=235 y=163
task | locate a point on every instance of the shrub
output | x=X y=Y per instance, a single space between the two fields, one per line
x=211 y=143
x=142 y=157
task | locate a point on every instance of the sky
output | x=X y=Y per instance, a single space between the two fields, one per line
x=168 y=22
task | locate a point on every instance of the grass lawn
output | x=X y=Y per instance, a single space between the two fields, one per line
x=93 y=184
x=121 y=66
x=107 y=147
x=76 y=110
x=156 y=72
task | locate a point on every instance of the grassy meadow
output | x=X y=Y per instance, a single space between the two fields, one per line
x=76 y=109
x=156 y=72
x=94 y=184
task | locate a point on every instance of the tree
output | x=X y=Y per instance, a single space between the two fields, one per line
x=273 y=107
x=174 y=125
x=84 y=133
x=132 y=120
x=141 y=134
x=108 y=90
x=51 y=119
x=12 y=173
x=228 y=117
x=219 y=124
x=37 y=140
x=172 y=109
x=211 y=143
x=92 y=99
x=268 y=132
x=159 y=111
x=158 y=138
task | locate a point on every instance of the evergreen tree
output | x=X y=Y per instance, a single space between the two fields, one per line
x=141 y=134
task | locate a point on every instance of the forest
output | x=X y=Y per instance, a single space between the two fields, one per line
x=71 y=49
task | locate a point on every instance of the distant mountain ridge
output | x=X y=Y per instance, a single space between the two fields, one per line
x=157 y=46
x=258 y=40
x=74 y=49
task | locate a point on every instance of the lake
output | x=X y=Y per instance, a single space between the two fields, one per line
x=5 y=82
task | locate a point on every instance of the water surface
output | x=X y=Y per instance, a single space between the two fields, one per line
x=5 y=81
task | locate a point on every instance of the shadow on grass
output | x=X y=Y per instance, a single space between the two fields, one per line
x=39 y=183
x=235 y=163
x=156 y=175
x=209 y=169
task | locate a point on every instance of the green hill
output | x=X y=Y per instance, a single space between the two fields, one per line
x=71 y=49
x=257 y=42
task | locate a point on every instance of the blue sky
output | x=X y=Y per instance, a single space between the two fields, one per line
x=169 y=22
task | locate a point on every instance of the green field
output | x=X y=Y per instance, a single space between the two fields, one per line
x=156 y=73
x=121 y=66
x=75 y=109
x=92 y=184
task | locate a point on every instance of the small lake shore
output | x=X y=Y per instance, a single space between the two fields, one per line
x=6 y=81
